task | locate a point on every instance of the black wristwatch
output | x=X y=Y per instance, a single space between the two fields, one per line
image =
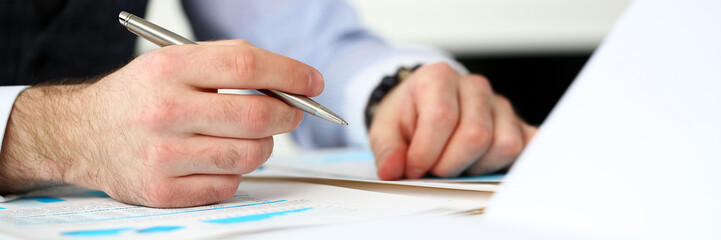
x=380 y=91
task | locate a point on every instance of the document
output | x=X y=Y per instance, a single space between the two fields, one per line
x=70 y=212
x=358 y=165
x=631 y=151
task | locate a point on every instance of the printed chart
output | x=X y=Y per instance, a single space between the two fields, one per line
x=72 y=212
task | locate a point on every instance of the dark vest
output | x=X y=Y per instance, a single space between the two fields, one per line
x=63 y=40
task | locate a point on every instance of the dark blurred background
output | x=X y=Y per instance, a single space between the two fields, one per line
x=532 y=83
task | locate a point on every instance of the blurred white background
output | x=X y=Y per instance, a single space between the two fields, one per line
x=492 y=26
x=462 y=27
x=467 y=26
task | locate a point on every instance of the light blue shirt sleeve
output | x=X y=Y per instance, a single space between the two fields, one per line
x=322 y=33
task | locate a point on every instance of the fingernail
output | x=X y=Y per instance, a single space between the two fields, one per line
x=316 y=83
x=414 y=173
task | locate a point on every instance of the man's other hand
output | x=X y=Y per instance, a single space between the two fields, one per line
x=440 y=122
x=155 y=132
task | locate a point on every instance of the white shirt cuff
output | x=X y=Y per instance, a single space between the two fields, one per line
x=7 y=100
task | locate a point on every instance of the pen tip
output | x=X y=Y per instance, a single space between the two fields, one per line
x=327 y=114
x=335 y=118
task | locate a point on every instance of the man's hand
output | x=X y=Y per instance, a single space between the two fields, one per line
x=155 y=132
x=443 y=123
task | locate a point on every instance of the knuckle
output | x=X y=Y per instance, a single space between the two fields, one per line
x=509 y=146
x=444 y=114
x=477 y=134
x=161 y=113
x=160 y=154
x=503 y=103
x=423 y=87
x=257 y=116
x=245 y=63
x=162 y=63
x=441 y=68
x=479 y=83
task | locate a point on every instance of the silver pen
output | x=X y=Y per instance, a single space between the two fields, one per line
x=162 y=37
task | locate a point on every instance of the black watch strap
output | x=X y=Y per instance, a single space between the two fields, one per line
x=380 y=91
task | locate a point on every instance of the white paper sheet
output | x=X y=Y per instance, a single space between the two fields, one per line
x=71 y=212
x=632 y=149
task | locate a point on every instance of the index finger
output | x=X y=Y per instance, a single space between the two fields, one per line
x=438 y=114
x=240 y=66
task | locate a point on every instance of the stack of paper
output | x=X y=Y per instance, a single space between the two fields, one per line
x=355 y=169
x=358 y=165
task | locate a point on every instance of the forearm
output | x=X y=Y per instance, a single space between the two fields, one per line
x=34 y=148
